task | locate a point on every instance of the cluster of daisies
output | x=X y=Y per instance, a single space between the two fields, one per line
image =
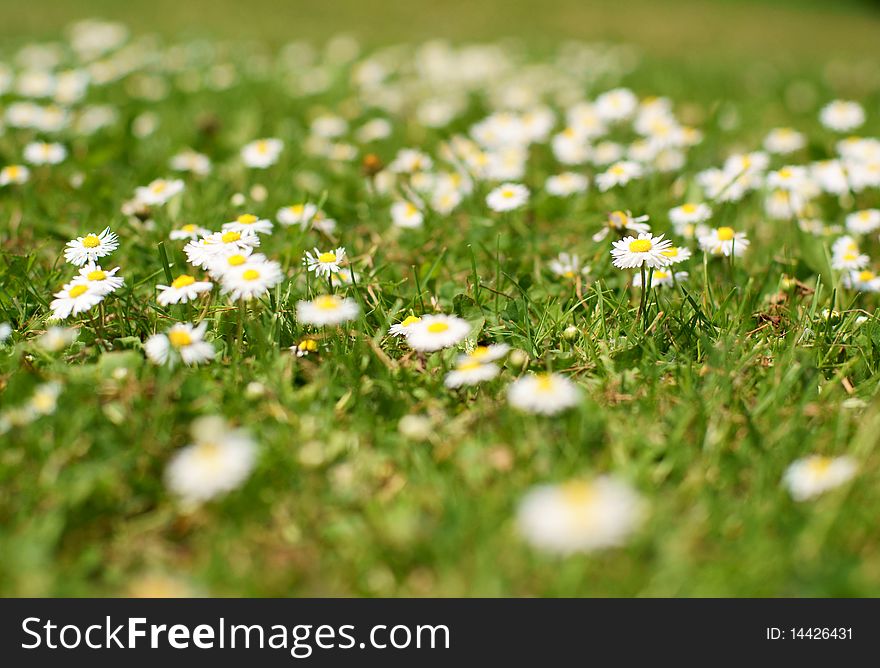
x=597 y=144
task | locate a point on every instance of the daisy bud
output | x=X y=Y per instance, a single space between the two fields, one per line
x=570 y=333
x=237 y=199
x=518 y=359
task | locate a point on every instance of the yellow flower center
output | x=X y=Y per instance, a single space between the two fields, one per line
x=479 y=352
x=327 y=303
x=545 y=382
x=179 y=338
x=507 y=194
x=785 y=173
x=672 y=252
x=250 y=275
x=617 y=219
x=182 y=281
x=76 y=291
x=308 y=345
x=689 y=208
x=864 y=215
x=618 y=170
x=849 y=256
x=96 y=275
x=158 y=187
x=230 y=237
x=660 y=275
x=236 y=260
x=327 y=257
x=577 y=493
x=409 y=320
x=189 y=227
x=866 y=276
x=569 y=274
x=437 y=327
x=262 y=146
x=91 y=241
x=640 y=246
x=208 y=453
x=470 y=365
x=819 y=465
x=725 y=233
x=13 y=171
x=247 y=219
x=296 y=208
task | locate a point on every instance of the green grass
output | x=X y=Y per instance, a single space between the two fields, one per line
x=738 y=375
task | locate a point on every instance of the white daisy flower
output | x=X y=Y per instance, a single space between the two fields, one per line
x=159 y=191
x=406 y=214
x=304 y=347
x=842 y=116
x=811 y=476
x=57 y=338
x=74 y=299
x=784 y=140
x=327 y=310
x=543 y=393
x=568 y=265
x=444 y=200
x=262 y=153
x=191 y=161
x=677 y=254
x=402 y=327
x=249 y=222
x=91 y=247
x=661 y=278
x=220 y=265
x=646 y=250
x=409 y=161
x=5 y=331
x=188 y=231
x=580 y=516
x=219 y=461
x=619 y=174
x=103 y=281
x=862 y=281
x=183 y=289
x=863 y=222
x=507 y=197
x=250 y=280
x=344 y=277
x=484 y=354
x=297 y=214
x=690 y=213
x=724 y=241
x=471 y=372
x=620 y=222
x=616 y=105
x=184 y=342
x=324 y=264
x=566 y=184
x=17 y=174
x=218 y=245
x=434 y=332
x=44 y=153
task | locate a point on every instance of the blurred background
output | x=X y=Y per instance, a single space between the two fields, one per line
x=784 y=31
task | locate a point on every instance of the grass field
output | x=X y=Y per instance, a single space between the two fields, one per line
x=370 y=475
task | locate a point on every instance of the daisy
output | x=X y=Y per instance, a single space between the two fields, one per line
x=444 y=200
x=620 y=222
x=677 y=254
x=784 y=140
x=406 y=214
x=842 y=116
x=183 y=341
x=616 y=105
x=43 y=153
x=218 y=266
x=44 y=400
x=188 y=231
x=619 y=174
x=252 y=279
x=74 y=299
x=103 y=281
x=568 y=266
x=863 y=222
x=327 y=310
x=159 y=191
x=507 y=197
x=566 y=184
x=471 y=372
x=402 y=327
x=434 y=332
x=811 y=476
x=57 y=338
x=218 y=461
x=724 y=241
x=191 y=161
x=690 y=213
x=304 y=347
x=646 y=250
x=862 y=281
x=14 y=174
x=297 y=214
x=344 y=277
x=661 y=278
x=91 y=247
x=262 y=153
x=409 y=161
x=5 y=331
x=218 y=245
x=324 y=264
x=543 y=393
x=249 y=222
x=579 y=516
x=183 y=289
x=484 y=354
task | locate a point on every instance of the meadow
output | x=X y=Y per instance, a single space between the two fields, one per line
x=408 y=316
